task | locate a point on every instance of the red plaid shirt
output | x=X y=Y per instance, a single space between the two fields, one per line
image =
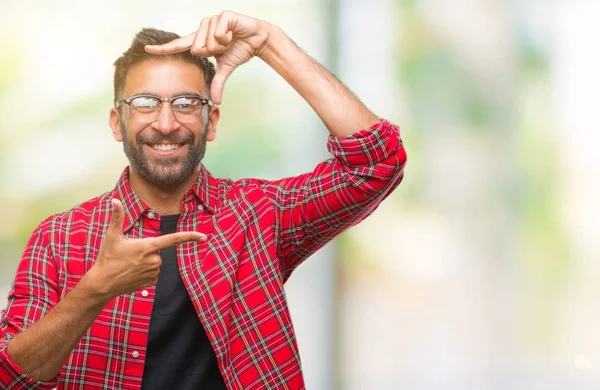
x=258 y=233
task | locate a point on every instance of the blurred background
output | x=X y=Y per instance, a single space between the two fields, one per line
x=480 y=272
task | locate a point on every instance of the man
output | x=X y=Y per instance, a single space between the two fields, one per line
x=174 y=279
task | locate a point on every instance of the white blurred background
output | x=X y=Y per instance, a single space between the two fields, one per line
x=480 y=272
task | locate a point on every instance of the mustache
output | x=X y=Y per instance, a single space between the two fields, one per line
x=155 y=137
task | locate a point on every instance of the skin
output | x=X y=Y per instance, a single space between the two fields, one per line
x=125 y=265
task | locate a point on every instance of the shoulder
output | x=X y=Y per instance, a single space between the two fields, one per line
x=227 y=190
x=79 y=216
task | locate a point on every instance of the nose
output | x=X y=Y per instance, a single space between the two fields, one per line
x=166 y=121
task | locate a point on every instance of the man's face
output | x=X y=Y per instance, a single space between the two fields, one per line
x=165 y=152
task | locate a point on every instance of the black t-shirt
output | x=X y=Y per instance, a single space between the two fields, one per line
x=179 y=355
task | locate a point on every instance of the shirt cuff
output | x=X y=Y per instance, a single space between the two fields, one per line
x=13 y=377
x=368 y=146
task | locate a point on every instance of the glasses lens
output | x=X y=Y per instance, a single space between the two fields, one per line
x=187 y=109
x=145 y=109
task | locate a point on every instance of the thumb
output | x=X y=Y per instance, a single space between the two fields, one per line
x=116 y=223
x=218 y=83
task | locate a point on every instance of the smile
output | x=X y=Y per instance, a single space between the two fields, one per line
x=165 y=147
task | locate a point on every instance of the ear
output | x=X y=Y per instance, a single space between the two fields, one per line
x=115 y=124
x=215 y=114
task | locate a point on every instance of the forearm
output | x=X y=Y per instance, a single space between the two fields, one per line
x=42 y=349
x=341 y=111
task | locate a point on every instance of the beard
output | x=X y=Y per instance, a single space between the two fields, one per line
x=166 y=171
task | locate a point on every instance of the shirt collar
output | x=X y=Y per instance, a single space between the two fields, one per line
x=204 y=189
x=132 y=204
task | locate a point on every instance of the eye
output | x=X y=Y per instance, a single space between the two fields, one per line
x=187 y=103
x=145 y=103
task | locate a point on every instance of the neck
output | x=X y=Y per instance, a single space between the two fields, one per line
x=165 y=201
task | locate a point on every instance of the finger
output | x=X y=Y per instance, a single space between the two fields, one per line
x=218 y=83
x=162 y=242
x=224 y=30
x=211 y=43
x=116 y=223
x=175 y=46
x=199 y=44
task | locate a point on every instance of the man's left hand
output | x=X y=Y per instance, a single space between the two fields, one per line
x=231 y=38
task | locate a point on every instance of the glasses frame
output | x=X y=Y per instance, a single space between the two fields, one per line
x=203 y=100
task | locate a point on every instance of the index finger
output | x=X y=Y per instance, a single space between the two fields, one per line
x=162 y=242
x=175 y=46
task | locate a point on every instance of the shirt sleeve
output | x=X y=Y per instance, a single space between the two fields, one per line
x=34 y=293
x=313 y=208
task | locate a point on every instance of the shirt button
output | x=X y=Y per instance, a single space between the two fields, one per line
x=135 y=354
x=137 y=223
x=151 y=215
x=200 y=207
x=144 y=293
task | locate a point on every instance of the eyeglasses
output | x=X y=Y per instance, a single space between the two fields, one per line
x=146 y=108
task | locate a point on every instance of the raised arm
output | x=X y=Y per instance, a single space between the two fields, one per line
x=368 y=153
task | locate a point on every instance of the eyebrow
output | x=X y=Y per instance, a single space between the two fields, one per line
x=178 y=94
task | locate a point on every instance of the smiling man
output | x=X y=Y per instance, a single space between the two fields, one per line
x=174 y=279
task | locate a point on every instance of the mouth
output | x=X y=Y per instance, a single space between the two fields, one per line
x=165 y=149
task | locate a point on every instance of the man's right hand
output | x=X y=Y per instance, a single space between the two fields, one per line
x=125 y=265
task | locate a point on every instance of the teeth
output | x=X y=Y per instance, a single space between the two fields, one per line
x=165 y=148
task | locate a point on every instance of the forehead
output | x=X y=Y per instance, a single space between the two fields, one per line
x=164 y=78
